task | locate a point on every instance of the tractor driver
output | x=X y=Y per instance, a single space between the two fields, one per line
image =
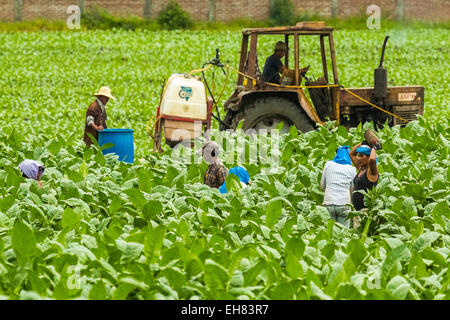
x=273 y=65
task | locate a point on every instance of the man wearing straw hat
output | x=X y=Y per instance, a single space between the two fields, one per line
x=96 y=114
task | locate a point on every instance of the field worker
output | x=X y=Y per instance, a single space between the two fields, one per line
x=216 y=173
x=243 y=176
x=364 y=158
x=273 y=65
x=96 y=114
x=336 y=181
x=32 y=170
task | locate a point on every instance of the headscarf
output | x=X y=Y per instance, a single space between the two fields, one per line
x=364 y=149
x=207 y=151
x=241 y=173
x=343 y=156
x=30 y=168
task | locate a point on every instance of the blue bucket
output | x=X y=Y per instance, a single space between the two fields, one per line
x=122 y=140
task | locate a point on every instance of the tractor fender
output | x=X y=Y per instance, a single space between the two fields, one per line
x=240 y=99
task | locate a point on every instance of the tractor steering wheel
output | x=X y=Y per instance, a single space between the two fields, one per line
x=305 y=71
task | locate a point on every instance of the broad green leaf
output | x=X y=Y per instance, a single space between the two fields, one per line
x=251 y=275
x=145 y=180
x=115 y=205
x=293 y=266
x=107 y=146
x=136 y=197
x=441 y=209
x=98 y=291
x=152 y=208
x=273 y=212
x=133 y=282
x=84 y=169
x=392 y=258
x=193 y=267
x=130 y=250
x=78 y=203
x=123 y=290
x=399 y=287
x=70 y=218
x=23 y=239
x=283 y=291
x=154 y=241
x=425 y=240
x=357 y=251
x=175 y=277
x=316 y=291
x=216 y=277
x=232 y=183
x=296 y=246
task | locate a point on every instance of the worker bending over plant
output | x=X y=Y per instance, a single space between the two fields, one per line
x=32 y=169
x=216 y=173
x=243 y=176
x=96 y=115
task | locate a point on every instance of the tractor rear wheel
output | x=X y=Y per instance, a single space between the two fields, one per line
x=267 y=112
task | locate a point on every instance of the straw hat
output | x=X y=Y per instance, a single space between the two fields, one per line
x=104 y=91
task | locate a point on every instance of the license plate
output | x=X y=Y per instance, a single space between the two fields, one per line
x=409 y=96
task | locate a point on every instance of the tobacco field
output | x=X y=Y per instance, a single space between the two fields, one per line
x=103 y=229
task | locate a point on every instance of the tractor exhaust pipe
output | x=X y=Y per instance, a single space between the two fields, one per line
x=380 y=85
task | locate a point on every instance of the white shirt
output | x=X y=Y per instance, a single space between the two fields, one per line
x=337 y=179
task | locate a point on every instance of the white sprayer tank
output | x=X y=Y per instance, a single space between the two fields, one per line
x=184 y=97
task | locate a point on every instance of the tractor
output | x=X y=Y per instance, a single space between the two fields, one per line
x=262 y=105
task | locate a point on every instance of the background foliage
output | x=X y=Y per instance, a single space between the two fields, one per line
x=104 y=229
x=172 y=16
x=282 y=13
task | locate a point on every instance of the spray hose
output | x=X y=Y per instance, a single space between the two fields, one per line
x=150 y=131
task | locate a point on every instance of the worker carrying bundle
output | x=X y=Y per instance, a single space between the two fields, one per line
x=364 y=157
